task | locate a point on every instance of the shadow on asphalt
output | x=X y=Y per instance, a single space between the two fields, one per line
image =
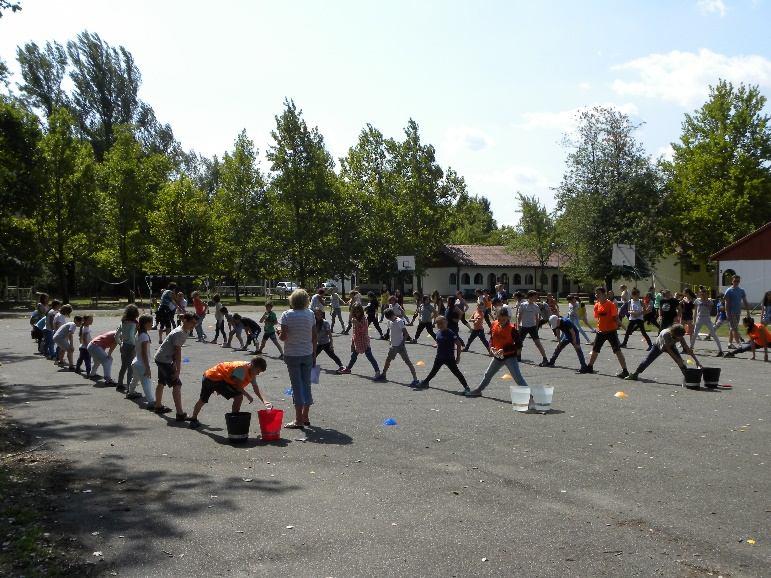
x=27 y=393
x=8 y=356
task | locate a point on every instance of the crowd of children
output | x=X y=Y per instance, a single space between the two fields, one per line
x=499 y=323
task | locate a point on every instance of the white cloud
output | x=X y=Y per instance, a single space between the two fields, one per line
x=515 y=178
x=664 y=151
x=712 y=7
x=584 y=86
x=565 y=120
x=462 y=138
x=684 y=77
x=501 y=185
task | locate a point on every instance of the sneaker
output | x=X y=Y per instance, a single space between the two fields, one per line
x=584 y=369
x=416 y=383
x=731 y=346
x=623 y=346
x=380 y=377
x=623 y=374
x=194 y=423
x=133 y=395
x=120 y=387
x=719 y=354
x=150 y=406
x=181 y=416
x=549 y=363
x=472 y=393
x=631 y=377
x=465 y=349
x=589 y=369
x=544 y=363
x=162 y=409
x=343 y=371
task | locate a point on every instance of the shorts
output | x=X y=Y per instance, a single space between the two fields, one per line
x=166 y=374
x=609 y=336
x=64 y=344
x=531 y=331
x=393 y=351
x=733 y=321
x=209 y=386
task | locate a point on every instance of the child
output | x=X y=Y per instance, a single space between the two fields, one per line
x=759 y=336
x=669 y=309
x=38 y=333
x=666 y=341
x=505 y=343
x=478 y=327
x=385 y=296
x=606 y=314
x=168 y=359
x=460 y=303
x=371 y=310
x=253 y=331
x=720 y=316
x=140 y=367
x=236 y=327
x=528 y=316
x=686 y=310
x=335 y=304
x=703 y=305
x=426 y=312
x=650 y=316
x=448 y=348
x=84 y=339
x=636 y=311
x=219 y=318
x=63 y=338
x=398 y=336
x=360 y=340
x=100 y=349
x=164 y=315
x=574 y=319
x=582 y=315
x=569 y=337
x=270 y=320
x=230 y=379
x=59 y=319
x=765 y=311
x=324 y=338
x=126 y=335
x=355 y=298
x=201 y=309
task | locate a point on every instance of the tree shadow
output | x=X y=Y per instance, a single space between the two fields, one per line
x=20 y=393
x=8 y=356
x=322 y=435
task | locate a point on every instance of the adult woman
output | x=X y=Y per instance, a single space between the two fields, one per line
x=298 y=332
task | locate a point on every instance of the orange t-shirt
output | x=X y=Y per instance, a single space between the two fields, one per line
x=757 y=332
x=235 y=373
x=478 y=320
x=506 y=338
x=606 y=315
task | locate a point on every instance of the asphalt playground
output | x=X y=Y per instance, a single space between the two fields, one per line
x=661 y=481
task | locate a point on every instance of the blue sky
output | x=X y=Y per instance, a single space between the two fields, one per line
x=493 y=84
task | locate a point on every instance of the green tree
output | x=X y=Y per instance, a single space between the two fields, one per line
x=182 y=229
x=8 y=5
x=241 y=217
x=610 y=193
x=536 y=233
x=129 y=179
x=303 y=182
x=473 y=222
x=720 y=175
x=69 y=192
x=43 y=72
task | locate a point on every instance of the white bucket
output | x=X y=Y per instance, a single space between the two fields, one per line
x=315 y=374
x=542 y=397
x=520 y=397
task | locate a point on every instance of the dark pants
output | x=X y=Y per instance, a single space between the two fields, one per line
x=84 y=357
x=562 y=345
x=327 y=348
x=126 y=357
x=451 y=365
x=336 y=314
x=487 y=318
x=374 y=321
x=635 y=324
x=651 y=357
x=428 y=327
x=368 y=353
x=477 y=333
x=252 y=336
x=220 y=328
x=650 y=319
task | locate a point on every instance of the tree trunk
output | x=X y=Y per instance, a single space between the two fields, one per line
x=238 y=294
x=342 y=284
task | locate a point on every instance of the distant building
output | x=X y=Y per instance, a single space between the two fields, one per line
x=673 y=273
x=470 y=267
x=750 y=258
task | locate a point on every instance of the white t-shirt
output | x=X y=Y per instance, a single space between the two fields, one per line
x=218 y=314
x=59 y=319
x=175 y=338
x=397 y=309
x=142 y=338
x=529 y=314
x=573 y=312
x=625 y=296
x=86 y=335
x=397 y=331
x=317 y=302
x=65 y=331
x=50 y=316
x=703 y=308
x=635 y=309
x=299 y=324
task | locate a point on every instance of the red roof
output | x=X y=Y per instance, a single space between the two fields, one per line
x=753 y=247
x=495 y=256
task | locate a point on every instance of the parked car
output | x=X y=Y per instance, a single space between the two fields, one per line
x=329 y=287
x=285 y=287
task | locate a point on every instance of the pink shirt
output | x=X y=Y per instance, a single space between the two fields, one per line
x=105 y=340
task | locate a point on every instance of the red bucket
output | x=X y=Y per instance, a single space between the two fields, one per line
x=271 y=421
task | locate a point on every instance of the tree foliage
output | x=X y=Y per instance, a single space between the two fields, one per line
x=536 y=233
x=720 y=175
x=43 y=72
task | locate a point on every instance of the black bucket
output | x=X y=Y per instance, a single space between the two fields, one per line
x=238 y=425
x=711 y=376
x=692 y=377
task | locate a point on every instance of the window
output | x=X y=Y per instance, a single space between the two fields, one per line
x=566 y=284
x=555 y=283
x=727 y=275
x=517 y=279
x=453 y=279
x=505 y=280
x=544 y=279
x=465 y=279
x=478 y=279
x=491 y=280
x=529 y=279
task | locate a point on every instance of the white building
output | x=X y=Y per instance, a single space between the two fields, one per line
x=470 y=267
x=750 y=258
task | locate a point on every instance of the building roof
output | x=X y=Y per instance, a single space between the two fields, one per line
x=755 y=246
x=493 y=256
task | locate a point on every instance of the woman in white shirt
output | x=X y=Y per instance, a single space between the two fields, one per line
x=636 y=313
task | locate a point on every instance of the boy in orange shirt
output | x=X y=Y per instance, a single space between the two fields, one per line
x=478 y=327
x=759 y=336
x=606 y=314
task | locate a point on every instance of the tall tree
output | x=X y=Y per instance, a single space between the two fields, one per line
x=240 y=214
x=182 y=229
x=9 y=5
x=535 y=233
x=43 y=72
x=303 y=181
x=720 y=175
x=69 y=192
x=610 y=193
x=473 y=222
x=129 y=179
x=4 y=73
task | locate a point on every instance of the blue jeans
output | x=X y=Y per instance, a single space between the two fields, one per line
x=199 y=327
x=48 y=336
x=368 y=353
x=299 y=368
x=496 y=364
